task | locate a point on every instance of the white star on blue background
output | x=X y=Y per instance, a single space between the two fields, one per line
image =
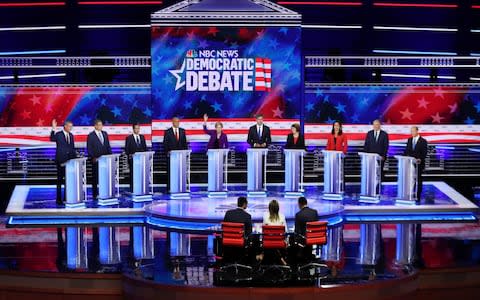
x=176 y=73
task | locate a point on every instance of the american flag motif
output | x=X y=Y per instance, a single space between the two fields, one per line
x=263 y=74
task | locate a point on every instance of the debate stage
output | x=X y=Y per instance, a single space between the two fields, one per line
x=175 y=242
x=34 y=205
x=296 y=64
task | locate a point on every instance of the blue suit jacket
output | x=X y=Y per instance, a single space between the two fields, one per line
x=379 y=146
x=95 y=147
x=65 y=151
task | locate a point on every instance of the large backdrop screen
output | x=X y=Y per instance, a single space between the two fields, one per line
x=227 y=72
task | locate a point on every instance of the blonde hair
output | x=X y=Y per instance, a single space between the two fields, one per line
x=273 y=209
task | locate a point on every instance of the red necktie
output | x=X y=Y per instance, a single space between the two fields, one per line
x=176 y=134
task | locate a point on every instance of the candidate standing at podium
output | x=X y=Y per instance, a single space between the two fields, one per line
x=65 y=150
x=417 y=147
x=295 y=139
x=98 y=144
x=218 y=139
x=337 y=140
x=259 y=134
x=135 y=142
x=376 y=141
x=174 y=138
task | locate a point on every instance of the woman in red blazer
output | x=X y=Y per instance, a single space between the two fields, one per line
x=337 y=140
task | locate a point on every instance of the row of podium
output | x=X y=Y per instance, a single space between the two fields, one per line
x=142 y=190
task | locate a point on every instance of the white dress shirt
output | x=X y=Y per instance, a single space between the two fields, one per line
x=415 y=141
x=67 y=136
x=136 y=138
x=376 y=135
x=260 y=130
x=176 y=132
x=100 y=136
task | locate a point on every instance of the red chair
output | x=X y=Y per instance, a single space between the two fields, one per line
x=274 y=245
x=233 y=234
x=316 y=233
x=274 y=237
x=233 y=253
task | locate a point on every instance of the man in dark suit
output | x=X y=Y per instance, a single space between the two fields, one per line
x=135 y=142
x=239 y=215
x=259 y=134
x=98 y=144
x=417 y=147
x=174 y=138
x=376 y=141
x=65 y=146
x=306 y=214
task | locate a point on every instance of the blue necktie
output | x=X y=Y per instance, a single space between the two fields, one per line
x=101 y=137
x=414 y=144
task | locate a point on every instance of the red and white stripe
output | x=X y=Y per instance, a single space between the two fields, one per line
x=317 y=134
x=259 y=75
x=236 y=129
x=267 y=64
x=263 y=74
x=40 y=136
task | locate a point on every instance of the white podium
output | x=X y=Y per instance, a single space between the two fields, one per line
x=294 y=172
x=407 y=180
x=217 y=172
x=407 y=184
x=108 y=179
x=257 y=172
x=142 y=176
x=333 y=182
x=76 y=182
x=371 y=177
x=180 y=174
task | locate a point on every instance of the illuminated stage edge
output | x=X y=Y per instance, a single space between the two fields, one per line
x=202 y=214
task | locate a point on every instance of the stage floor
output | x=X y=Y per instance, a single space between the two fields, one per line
x=34 y=205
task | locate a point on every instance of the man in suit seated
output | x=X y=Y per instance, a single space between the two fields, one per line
x=306 y=214
x=259 y=134
x=65 y=150
x=239 y=215
x=135 y=142
x=174 y=138
x=98 y=144
x=376 y=141
x=417 y=147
